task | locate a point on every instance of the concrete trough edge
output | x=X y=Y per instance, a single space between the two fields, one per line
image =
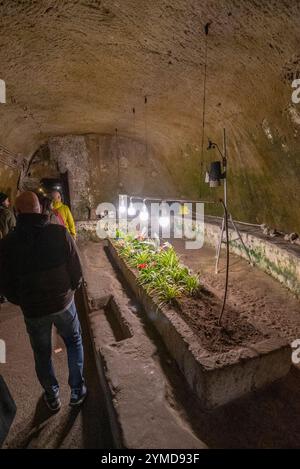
x=114 y=423
x=158 y=428
x=198 y=366
x=277 y=258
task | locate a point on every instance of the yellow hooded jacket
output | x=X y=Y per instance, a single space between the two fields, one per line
x=67 y=216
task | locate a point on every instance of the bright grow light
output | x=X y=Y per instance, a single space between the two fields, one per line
x=144 y=214
x=164 y=219
x=131 y=209
x=122 y=206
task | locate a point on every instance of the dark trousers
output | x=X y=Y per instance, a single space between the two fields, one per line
x=40 y=334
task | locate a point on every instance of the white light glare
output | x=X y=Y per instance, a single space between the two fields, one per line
x=122 y=205
x=131 y=209
x=144 y=215
x=122 y=208
x=164 y=221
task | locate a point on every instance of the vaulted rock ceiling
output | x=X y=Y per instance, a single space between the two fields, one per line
x=79 y=67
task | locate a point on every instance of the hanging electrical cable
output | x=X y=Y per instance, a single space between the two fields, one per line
x=134 y=127
x=118 y=158
x=146 y=126
x=206 y=30
x=134 y=132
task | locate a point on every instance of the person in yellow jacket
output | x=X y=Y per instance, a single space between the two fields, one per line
x=63 y=213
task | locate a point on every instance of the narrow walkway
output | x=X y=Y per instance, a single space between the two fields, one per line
x=34 y=426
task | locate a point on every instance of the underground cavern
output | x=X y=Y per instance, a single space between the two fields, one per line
x=149 y=225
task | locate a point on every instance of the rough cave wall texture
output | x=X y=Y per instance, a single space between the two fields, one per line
x=8 y=180
x=102 y=166
x=78 y=67
x=71 y=155
x=42 y=165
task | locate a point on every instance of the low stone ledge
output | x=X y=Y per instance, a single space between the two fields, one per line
x=274 y=256
x=86 y=230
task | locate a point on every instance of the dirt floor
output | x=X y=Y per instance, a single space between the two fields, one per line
x=34 y=426
x=201 y=312
x=250 y=291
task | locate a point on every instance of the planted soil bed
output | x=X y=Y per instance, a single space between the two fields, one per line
x=201 y=313
x=219 y=363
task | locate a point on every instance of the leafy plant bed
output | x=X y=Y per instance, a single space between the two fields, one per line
x=159 y=270
x=219 y=363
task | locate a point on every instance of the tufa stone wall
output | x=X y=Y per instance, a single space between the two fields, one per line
x=71 y=155
x=8 y=180
x=102 y=166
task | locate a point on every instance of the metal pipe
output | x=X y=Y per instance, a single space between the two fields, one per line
x=171 y=199
x=227 y=262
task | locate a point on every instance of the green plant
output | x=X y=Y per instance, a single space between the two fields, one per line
x=140 y=257
x=160 y=271
x=119 y=233
x=168 y=258
x=166 y=292
x=148 y=276
x=192 y=284
x=177 y=273
x=126 y=251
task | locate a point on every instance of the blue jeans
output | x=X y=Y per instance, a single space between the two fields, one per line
x=40 y=334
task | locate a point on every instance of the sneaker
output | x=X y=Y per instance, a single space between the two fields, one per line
x=78 y=396
x=53 y=403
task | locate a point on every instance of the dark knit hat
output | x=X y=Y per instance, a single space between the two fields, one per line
x=3 y=197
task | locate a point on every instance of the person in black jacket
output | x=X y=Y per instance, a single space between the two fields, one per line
x=39 y=271
x=7 y=218
x=7 y=222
